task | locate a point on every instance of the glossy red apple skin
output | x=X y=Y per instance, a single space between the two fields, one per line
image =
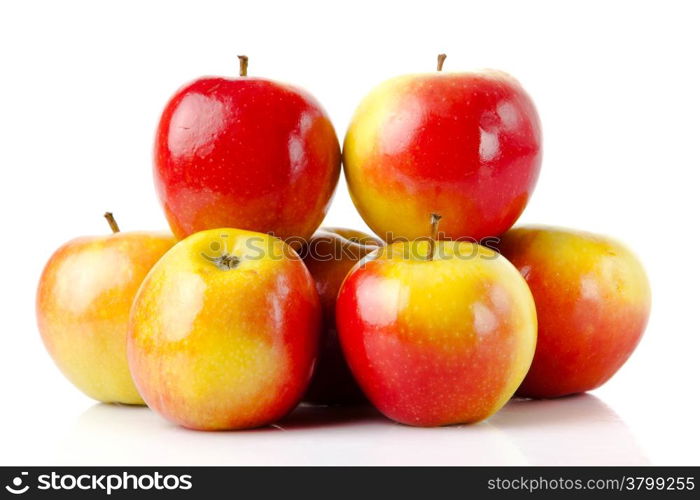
x=593 y=302
x=436 y=342
x=464 y=145
x=329 y=256
x=248 y=153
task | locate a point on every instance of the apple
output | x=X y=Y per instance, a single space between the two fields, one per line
x=355 y=236
x=82 y=307
x=436 y=333
x=593 y=301
x=329 y=255
x=248 y=153
x=224 y=331
x=465 y=145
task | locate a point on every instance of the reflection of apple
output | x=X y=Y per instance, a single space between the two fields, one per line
x=83 y=303
x=441 y=341
x=578 y=430
x=329 y=255
x=465 y=145
x=593 y=302
x=248 y=153
x=224 y=331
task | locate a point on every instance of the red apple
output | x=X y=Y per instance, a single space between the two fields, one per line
x=329 y=255
x=441 y=341
x=465 y=145
x=82 y=306
x=593 y=300
x=224 y=331
x=248 y=153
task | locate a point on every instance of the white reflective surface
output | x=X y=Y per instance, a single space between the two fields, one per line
x=576 y=430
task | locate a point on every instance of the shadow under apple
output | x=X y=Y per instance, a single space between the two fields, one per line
x=568 y=431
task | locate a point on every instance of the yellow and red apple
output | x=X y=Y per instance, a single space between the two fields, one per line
x=593 y=302
x=329 y=255
x=465 y=145
x=224 y=331
x=441 y=341
x=83 y=302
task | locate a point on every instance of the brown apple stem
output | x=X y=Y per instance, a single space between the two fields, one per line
x=434 y=222
x=227 y=262
x=243 y=65
x=112 y=222
x=441 y=61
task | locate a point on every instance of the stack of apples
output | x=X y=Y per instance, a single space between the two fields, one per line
x=249 y=309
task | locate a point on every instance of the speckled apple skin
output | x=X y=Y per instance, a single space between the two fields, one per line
x=82 y=307
x=248 y=153
x=464 y=145
x=593 y=302
x=437 y=342
x=329 y=256
x=216 y=349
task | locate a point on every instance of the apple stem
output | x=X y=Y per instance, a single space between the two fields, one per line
x=441 y=61
x=227 y=262
x=243 y=65
x=434 y=222
x=112 y=222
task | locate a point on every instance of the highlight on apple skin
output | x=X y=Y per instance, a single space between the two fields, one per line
x=441 y=341
x=245 y=152
x=593 y=302
x=82 y=307
x=465 y=145
x=224 y=331
x=329 y=255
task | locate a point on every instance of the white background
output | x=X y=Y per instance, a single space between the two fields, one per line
x=617 y=87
